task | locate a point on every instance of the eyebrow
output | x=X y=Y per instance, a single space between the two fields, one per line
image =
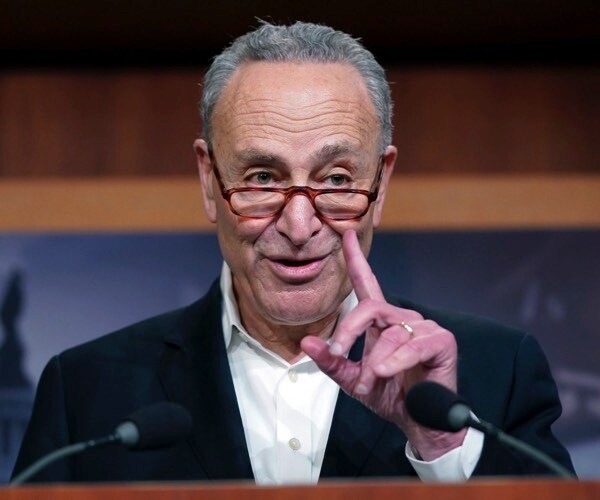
x=326 y=154
x=254 y=155
x=331 y=151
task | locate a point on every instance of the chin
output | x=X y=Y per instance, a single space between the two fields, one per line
x=299 y=307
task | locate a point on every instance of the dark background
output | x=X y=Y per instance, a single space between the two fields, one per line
x=121 y=32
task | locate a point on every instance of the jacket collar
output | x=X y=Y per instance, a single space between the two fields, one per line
x=194 y=372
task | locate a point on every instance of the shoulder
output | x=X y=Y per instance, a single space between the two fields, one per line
x=140 y=338
x=498 y=365
x=144 y=341
x=469 y=329
x=490 y=354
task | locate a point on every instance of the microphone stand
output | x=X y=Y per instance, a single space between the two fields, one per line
x=526 y=449
x=64 y=452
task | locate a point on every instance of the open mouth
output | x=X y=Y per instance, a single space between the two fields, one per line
x=296 y=263
x=297 y=270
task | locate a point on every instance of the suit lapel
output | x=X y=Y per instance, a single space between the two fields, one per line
x=354 y=432
x=194 y=372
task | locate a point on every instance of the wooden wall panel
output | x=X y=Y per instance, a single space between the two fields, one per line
x=448 y=120
x=498 y=120
x=115 y=123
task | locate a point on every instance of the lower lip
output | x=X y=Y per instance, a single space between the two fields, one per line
x=297 y=274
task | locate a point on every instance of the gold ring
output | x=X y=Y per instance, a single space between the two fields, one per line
x=408 y=328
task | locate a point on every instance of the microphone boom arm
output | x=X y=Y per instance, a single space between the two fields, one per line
x=521 y=446
x=64 y=452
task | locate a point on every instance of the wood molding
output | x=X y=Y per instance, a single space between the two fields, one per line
x=413 y=203
x=500 y=489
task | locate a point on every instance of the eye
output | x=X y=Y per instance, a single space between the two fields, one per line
x=262 y=178
x=337 y=180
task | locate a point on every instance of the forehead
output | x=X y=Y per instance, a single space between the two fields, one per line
x=303 y=106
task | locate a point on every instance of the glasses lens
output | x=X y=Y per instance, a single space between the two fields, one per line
x=257 y=203
x=340 y=206
x=336 y=206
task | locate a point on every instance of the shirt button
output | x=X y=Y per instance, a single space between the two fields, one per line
x=293 y=375
x=294 y=444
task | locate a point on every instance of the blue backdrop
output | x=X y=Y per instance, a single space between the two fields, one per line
x=62 y=289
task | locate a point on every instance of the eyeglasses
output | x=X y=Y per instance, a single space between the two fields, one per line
x=332 y=204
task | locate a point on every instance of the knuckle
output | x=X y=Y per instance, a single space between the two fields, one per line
x=412 y=317
x=431 y=324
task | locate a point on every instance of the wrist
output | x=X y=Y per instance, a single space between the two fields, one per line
x=428 y=444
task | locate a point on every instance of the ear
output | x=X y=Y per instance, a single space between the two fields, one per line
x=206 y=178
x=389 y=160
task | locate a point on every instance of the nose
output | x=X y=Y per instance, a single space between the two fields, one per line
x=298 y=220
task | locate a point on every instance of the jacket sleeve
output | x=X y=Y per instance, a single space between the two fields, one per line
x=47 y=429
x=533 y=406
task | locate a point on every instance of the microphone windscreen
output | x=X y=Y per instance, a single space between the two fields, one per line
x=158 y=426
x=429 y=404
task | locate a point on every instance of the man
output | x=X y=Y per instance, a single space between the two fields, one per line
x=294 y=167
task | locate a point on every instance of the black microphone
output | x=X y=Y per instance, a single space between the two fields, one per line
x=156 y=426
x=437 y=407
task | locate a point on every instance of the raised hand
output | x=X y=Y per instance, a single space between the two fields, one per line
x=401 y=349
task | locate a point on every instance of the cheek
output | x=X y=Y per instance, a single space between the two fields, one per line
x=365 y=238
x=237 y=235
x=363 y=227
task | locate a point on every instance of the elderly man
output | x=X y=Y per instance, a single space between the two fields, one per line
x=294 y=167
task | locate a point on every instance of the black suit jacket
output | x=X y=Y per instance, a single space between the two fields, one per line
x=180 y=356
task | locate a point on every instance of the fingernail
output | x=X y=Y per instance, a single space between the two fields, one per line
x=361 y=389
x=380 y=368
x=336 y=349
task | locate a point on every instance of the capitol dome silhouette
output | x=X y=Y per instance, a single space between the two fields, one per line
x=16 y=390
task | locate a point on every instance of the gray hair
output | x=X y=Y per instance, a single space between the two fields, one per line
x=299 y=42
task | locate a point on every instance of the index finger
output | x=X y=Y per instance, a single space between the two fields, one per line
x=361 y=276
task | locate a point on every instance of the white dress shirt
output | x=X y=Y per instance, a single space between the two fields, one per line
x=287 y=409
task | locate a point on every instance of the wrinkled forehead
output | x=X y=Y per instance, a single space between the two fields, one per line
x=295 y=104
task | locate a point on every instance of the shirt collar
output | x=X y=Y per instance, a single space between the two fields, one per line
x=231 y=315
